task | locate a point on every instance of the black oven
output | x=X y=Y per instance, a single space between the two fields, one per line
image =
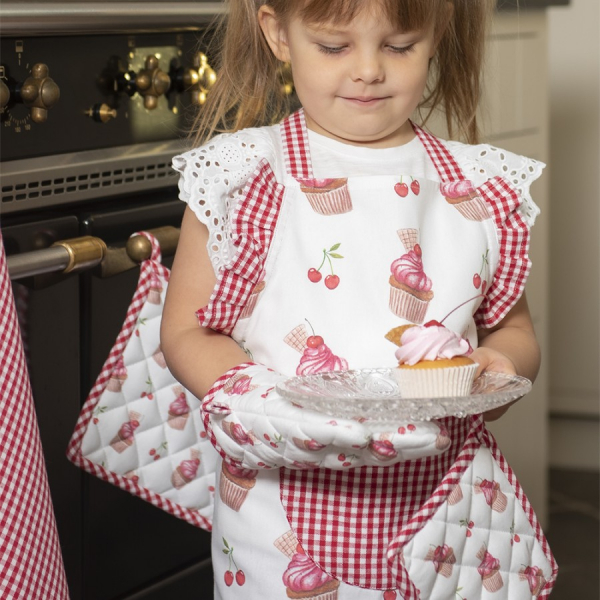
x=96 y=99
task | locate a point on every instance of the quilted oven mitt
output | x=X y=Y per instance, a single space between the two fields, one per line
x=139 y=428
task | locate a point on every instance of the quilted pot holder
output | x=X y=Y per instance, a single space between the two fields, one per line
x=139 y=429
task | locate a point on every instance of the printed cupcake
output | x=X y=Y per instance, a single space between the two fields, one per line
x=327 y=196
x=410 y=288
x=492 y=494
x=489 y=569
x=443 y=559
x=383 y=448
x=465 y=198
x=432 y=361
x=316 y=356
x=252 y=300
x=186 y=471
x=535 y=579
x=156 y=289
x=126 y=435
x=304 y=580
x=235 y=483
x=179 y=412
x=117 y=377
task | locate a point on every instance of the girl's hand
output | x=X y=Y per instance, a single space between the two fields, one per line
x=492 y=360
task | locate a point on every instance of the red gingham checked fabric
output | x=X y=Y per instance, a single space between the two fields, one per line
x=149 y=269
x=31 y=566
x=345 y=520
x=295 y=146
x=502 y=201
x=252 y=230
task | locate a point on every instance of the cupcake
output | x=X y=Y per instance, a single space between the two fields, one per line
x=432 y=361
x=186 y=471
x=535 y=578
x=311 y=445
x=489 y=569
x=235 y=482
x=456 y=495
x=443 y=559
x=382 y=449
x=252 y=300
x=327 y=196
x=304 y=580
x=156 y=289
x=492 y=493
x=410 y=288
x=239 y=384
x=117 y=377
x=465 y=198
x=179 y=412
x=126 y=434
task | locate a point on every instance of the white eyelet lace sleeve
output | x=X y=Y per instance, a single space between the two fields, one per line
x=482 y=162
x=212 y=181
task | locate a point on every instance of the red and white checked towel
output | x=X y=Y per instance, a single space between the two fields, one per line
x=31 y=565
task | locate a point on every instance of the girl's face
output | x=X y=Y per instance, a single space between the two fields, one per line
x=358 y=82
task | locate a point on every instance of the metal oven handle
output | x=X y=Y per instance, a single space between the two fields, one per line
x=87 y=252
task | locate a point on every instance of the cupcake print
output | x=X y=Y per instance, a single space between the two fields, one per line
x=126 y=435
x=534 y=576
x=235 y=483
x=156 y=289
x=410 y=288
x=239 y=384
x=179 y=410
x=465 y=198
x=489 y=569
x=186 y=471
x=327 y=196
x=304 y=580
x=252 y=300
x=383 y=449
x=492 y=494
x=316 y=356
x=443 y=559
x=287 y=544
x=117 y=377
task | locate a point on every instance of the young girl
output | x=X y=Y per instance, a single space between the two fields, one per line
x=306 y=241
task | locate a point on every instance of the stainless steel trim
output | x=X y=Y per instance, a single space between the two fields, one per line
x=49 y=260
x=47 y=181
x=48 y=18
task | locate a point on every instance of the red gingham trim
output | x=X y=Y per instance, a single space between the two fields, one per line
x=252 y=230
x=296 y=151
x=514 y=264
x=31 y=566
x=491 y=443
x=444 y=162
x=345 y=520
x=149 y=270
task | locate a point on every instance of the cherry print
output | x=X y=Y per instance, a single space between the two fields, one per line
x=314 y=275
x=415 y=187
x=346 y=464
x=402 y=430
x=152 y=451
x=228 y=578
x=314 y=341
x=476 y=280
x=332 y=281
x=240 y=578
x=517 y=538
x=341 y=457
x=483 y=286
x=417 y=250
x=401 y=189
x=411 y=427
x=96 y=420
x=469 y=533
x=389 y=595
x=432 y=323
x=203 y=435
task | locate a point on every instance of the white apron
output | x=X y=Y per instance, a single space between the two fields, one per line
x=315 y=287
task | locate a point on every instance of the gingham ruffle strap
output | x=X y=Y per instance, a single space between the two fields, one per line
x=253 y=224
x=442 y=158
x=294 y=140
x=31 y=566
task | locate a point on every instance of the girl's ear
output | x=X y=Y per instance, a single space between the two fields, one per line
x=274 y=32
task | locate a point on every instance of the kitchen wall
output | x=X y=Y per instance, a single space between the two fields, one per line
x=574 y=166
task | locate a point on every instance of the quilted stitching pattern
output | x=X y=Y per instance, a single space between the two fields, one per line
x=139 y=428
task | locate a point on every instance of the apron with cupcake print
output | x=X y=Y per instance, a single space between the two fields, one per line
x=327 y=267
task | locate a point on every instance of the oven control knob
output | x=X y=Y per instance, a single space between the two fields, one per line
x=151 y=82
x=4 y=94
x=197 y=79
x=39 y=92
x=102 y=113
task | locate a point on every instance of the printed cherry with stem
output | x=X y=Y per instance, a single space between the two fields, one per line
x=313 y=341
x=434 y=323
x=477 y=281
x=332 y=280
x=240 y=577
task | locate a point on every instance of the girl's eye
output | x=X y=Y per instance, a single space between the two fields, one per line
x=331 y=49
x=402 y=49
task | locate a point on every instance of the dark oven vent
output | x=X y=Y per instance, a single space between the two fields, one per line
x=50 y=181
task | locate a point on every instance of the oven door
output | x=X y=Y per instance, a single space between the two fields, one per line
x=115 y=546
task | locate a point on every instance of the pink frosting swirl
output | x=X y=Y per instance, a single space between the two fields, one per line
x=179 y=406
x=408 y=269
x=240 y=471
x=241 y=386
x=128 y=429
x=383 y=448
x=317 y=183
x=488 y=565
x=440 y=555
x=120 y=369
x=430 y=343
x=320 y=360
x=456 y=189
x=534 y=576
x=303 y=575
x=189 y=468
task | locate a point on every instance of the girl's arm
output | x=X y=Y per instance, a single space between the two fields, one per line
x=195 y=355
x=509 y=347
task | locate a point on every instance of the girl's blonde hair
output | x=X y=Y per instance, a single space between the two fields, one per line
x=249 y=90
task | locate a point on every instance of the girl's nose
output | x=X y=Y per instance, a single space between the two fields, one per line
x=368 y=68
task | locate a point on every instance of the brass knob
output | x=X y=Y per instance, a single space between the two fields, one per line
x=39 y=92
x=151 y=82
x=4 y=94
x=197 y=79
x=287 y=79
x=101 y=113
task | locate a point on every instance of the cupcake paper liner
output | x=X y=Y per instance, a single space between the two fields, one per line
x=493 y=582
x=332 y=202
x=406 y=306
x=436 y=383
x=475 y=209
x=231 y=493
